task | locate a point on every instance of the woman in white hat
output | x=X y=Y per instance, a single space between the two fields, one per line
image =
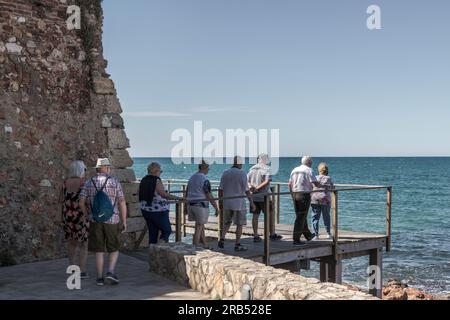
x=75 y=223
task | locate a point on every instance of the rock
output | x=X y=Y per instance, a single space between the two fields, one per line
x=112 y=120
x=56 y=55
x=45 y=183
x=31 y=44
x=103 y=86
x=14 y=86
x=41 y=24
x=120 y=158
x=396 y=290
x=12 y=40
x=2 y=47
x=13 y=48
x=117 y=139
x=8 y=129
x=21 y=20
x=124 y=175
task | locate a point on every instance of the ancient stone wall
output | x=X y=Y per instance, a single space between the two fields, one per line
x=223 y=277
x=57 y=104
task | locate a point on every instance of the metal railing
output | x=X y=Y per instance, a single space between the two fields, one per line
x=275 y=197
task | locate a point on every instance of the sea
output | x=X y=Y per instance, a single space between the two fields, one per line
x=420 y=254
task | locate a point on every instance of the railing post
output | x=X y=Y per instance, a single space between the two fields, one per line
x=220 y=221
x=183 y=210
x=388 y=219
x=335 y=201
x=278 y=197
x=267 y=231
x=169 y=185
x=178 y=214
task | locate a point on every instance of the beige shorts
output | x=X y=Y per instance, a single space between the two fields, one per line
x=198 y=214
x=239 y=218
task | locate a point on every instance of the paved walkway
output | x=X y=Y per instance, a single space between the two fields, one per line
x=47 y=280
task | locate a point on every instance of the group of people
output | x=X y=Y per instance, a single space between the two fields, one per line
x=235 y=187
x=83 y=203
x=95 y=211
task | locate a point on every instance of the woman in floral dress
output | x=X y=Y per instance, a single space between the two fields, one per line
x=75 y=223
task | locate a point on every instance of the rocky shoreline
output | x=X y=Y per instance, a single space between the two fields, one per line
x=397 y=290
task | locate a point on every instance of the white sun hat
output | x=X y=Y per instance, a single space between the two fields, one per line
x=103 y=162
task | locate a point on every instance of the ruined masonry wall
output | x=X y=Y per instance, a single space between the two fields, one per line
x=57 y=104
x=223 y=277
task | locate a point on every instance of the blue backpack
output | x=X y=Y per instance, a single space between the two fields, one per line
x=102 y=208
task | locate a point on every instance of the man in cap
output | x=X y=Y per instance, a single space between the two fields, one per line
x=104 y=236
x=234 y=184
x=259 y=179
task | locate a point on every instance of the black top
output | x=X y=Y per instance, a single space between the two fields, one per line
x=147 y=188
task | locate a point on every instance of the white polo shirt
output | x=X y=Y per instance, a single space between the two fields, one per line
x=302 y=179
x=234 y=183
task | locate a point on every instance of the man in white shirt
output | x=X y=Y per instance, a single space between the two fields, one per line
x=302 y=180
x=234 y=184
x=259 y=179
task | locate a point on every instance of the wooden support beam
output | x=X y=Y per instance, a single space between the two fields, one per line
x=335 y=206
x=335 y=270
x=267 y=218
x=178 y=222
x=324 y=270
x=376 y=272
x=389 y=219
x=278 y=198
x=184 y=210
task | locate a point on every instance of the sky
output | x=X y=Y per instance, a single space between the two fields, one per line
x=311 y=69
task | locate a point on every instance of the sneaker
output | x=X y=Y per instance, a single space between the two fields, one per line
x=84 y=276
x=112 y=278
x=329 y=236
x=221 y=243
x=315 y=238
x=276 y=237
x=100 y=282
x=299 y=243
x=257 y=239
x=239 y=248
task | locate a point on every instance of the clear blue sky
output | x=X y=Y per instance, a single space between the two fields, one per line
x=309 y=68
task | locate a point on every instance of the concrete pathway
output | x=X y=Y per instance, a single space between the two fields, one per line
x=47 y=281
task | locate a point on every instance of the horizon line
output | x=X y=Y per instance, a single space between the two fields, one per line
x=409 y=156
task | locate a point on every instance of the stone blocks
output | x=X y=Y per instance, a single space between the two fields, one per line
x=223 y=277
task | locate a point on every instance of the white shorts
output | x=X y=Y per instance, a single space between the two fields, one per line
x=198 y=214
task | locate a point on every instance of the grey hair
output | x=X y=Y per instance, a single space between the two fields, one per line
x=152 y=166
x=77 y=169
x=263 y=157
x=323 y=168
x=306 y=160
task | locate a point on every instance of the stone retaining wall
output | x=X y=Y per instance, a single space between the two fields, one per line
x=222 y=276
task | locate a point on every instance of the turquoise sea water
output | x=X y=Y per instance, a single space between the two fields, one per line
x=421 y=212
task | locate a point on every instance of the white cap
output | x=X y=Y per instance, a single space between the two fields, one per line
x=103 y=162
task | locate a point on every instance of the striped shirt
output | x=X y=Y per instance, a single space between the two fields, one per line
x=113 y=189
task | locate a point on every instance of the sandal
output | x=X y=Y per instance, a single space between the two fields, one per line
x=257 y=239
x=239 y=248
x=276 y=237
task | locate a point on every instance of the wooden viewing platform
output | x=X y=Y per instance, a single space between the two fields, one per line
x=283 y=254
